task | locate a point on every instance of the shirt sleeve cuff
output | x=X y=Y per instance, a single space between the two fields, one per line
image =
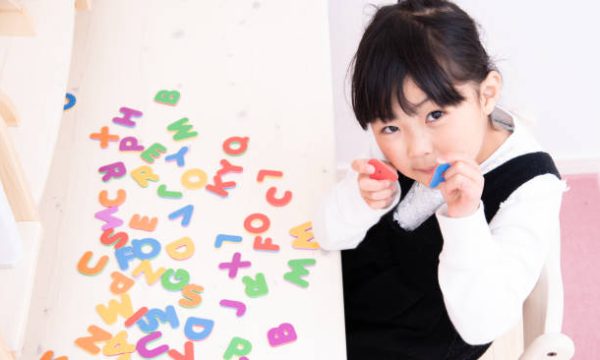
x=353 y=207
x=467 y=240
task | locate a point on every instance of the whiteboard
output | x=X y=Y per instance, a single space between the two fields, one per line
x=245 y=70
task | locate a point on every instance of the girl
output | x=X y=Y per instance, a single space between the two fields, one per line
x=437 y=273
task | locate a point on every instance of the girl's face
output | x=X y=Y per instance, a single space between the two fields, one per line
x=413 y=143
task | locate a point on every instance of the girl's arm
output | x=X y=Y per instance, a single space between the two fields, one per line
x=487 y=271
x=344 y=217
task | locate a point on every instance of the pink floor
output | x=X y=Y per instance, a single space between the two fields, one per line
x=580 y=221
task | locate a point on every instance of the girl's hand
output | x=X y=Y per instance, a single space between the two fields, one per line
x=378 y=194
x=463 y=186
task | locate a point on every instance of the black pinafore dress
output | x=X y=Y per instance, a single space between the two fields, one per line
x=394 y=309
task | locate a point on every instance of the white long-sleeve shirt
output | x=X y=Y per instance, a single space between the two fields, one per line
x=486 y=271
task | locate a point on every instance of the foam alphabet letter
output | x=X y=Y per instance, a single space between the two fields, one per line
x=143 y=223
x=178 y=156
x=187 y=355
x=119 y=239
x=265 y=244
x=185 y=213
x=121 y=283
x=104 y=136
x=150 y=321
x=192 y=334
x=85 y=269
x=298 y=267
x=89 y=344
x=142 y=346
x=115 y=170
x=124 y=255
x=167 y=97
x=163 y=192
x=191 y=296
x=182 y=129
x=110 y=221
x=106 y=202
x=250 y=223
x=281 y=335
x=127 y=115
x=153 y=152
x=118 y=345
x=175 y=251
x=194 y=179
x=140 y=245
x=111 y=312
x=130 y=143
x=256 y=287
x=275 y=201
x=143 y=174
x=241 y=145
x=303 y=237
x=181 y=276
x=151 y=276
x=237 y=347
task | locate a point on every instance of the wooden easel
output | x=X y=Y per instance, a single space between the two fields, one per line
x=11 y=174
x=5 y=353
x=14 y=19
x=83 y=5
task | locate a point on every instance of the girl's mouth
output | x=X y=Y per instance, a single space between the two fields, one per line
x=426 y=171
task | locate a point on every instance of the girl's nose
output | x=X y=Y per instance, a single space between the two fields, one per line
x=419 y=145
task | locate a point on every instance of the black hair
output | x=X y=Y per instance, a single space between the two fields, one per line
x=434 y=42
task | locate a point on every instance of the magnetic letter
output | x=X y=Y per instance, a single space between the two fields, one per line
x=115 y=170
x=241 y=145
x=89 y=343
x=194 y=179
x=167 y=97
x=303 y=237
x=143 y=174
x=111 y=312
x=298 y=267
x=237 y=347
x=121 y=283
x=127 y=115
x=142 y=346
x=175 y=251
x=190 y=333
x=256 y=288
x=153 y=152
x=281 y=335
x=182 y=129
x=181 y=276
x=85 y=269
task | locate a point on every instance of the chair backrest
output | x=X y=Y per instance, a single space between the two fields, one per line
x=543 y=314
x=543 y=308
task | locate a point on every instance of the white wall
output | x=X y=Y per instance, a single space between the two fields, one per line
x=545 y=50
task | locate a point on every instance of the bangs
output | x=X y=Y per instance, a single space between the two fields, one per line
x=393 y=48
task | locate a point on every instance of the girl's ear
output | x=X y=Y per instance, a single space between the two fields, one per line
x=489 y=91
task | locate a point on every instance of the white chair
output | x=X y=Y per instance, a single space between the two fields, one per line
x=543 y=315
x=540 y=331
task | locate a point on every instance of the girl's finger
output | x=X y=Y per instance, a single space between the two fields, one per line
x=466 y=169
x=367 y=184
x=462 y=184
x=379 y=204
x=379 y=195
x=362 y=166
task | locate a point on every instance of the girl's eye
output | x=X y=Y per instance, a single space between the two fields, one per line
x=389 y=129
x=434 y=116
